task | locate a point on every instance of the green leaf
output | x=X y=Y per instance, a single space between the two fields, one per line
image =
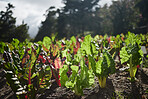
x=63 y=75
x=99 y=67
x=78 y=56
x=105 y=65
x=132 y=39
x=136 y=55
x=73 y=77
x=92 y=63
x=86 y=45
x=94 y=49
x=29 y=46
x=74 y=69
x=86 y=76
x=110 y=62
x=73 y=40
x=44 y=76
x=15 y=43
x=91 y=77
x=133 y=51
x=67 y=55
x=46 y=42
x=124 y=55
x=2 y=45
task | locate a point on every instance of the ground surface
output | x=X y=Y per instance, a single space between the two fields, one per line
x=118 y=87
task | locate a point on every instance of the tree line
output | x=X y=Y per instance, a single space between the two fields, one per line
x=8 y=27
x=82 y=17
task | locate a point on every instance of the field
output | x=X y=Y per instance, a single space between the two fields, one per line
x=104 y=67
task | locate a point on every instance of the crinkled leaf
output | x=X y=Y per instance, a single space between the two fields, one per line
x=94 y=49
x=132 y=39
x=133 y=51
x=73 y=77
x=63 y=74
x=136 y=56
x=106 y=65
x=86 y=45
x=86 y=78
x=92 y=63
x=124 y=55
x=46 y=43
x=44 y=77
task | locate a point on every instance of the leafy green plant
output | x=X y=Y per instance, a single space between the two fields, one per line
x=131 y=53
x=25 y=75
x=103 y=67
x=79 y=79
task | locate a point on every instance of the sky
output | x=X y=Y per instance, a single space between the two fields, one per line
x=32 y=11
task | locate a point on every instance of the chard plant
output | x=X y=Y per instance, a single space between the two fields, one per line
x=53 y=56
x=99 y=59
x=103 y=67
x=24 y=74
x=79 y=79
x=75 y=74
x=132 y=53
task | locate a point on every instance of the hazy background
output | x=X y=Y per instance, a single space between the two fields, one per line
x=31 y=11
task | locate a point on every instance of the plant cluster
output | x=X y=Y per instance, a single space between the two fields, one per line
x=73 y=63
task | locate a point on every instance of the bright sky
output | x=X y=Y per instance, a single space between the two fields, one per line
x=31 y=11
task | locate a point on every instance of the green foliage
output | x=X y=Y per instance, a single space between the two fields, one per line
x=63 y=74
x=73 y=63
x=46 y=42
x=24 y=75
x=15 y=43
x=77 y=81
x=86 y=45
x=2 y=46
x=131 y=53
x=102 y=68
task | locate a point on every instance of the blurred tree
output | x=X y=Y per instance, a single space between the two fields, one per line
x=21 y=32
x=106 y=23
x=8 y=29
x=61 y=24
x=124 y=16
x=49 y=25
x=75 y=18
x=143 y=7
x=80 y=16
x=7 y=24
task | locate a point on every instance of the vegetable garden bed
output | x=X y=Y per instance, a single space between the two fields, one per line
x=118 y=87
x=75 y=68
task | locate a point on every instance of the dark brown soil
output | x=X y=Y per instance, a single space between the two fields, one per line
x=118 y=87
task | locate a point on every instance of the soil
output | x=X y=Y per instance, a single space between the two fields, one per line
x=118 y=86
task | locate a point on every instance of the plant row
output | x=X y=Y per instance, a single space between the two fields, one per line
x=73 y=63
